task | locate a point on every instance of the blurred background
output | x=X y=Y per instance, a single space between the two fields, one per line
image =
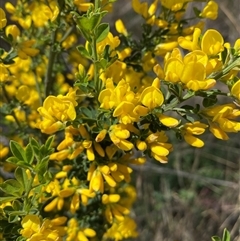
x=197 y=194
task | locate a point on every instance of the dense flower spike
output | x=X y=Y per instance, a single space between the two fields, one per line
x=111 y=101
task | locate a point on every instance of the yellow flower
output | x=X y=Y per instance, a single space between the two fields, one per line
x=190 y=43
x=152 y=96
x=210 y=10
x=120 y=27
x=157 y=143
x=223 y=116
x=122 y=230
x=34 y=229
x=118 y=135
x=163 y=48
x=212 y=42
x=56 y=111
x=13 y=30
x=41 y=12
x=23 y=93
x=168 y=121
x=113 y=42
x=189 y=131
x=113 y=208
x=140 y=8
x=4 y=73
x=25 y=49
x=124 y=111
x=78 y=233
x=82 y=6
x=31 y=224
x=235 y=90
x=81 y=195
x=3 y=20
x=3 y=151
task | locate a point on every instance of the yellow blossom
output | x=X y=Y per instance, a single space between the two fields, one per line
x=118 y=135
x=210 y=10
x=168 y=121
x=120 y=27
x=78 y=233
x=82 y=5
x=122 y=230
x=235 y=90
x=23 y=93
x=212 y=42
x=35 y=229
x=189 y=131
x=190 y=44
x=152 y=96
x=3 y=20
x=13 y=30
x=223 y=116
x=3 y=151
x=56 y=111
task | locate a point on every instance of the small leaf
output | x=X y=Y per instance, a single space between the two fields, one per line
x=197 y=12
x=88 y=23
x=17 y=150
x=22 y=178
x=34 y=142
x=13 y=219
x=85 y=34
x=82 y=50
x=7 y=199
x=13 y=160
x=102 y=31
x=215 y=238
x=12 y=187
x=209 y=101
x=49 y=142
x=226 y=235
x=29 y=154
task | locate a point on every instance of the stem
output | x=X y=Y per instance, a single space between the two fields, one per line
x=48 y=78
x=96 y=4
x=95 y=54
x=95 y=59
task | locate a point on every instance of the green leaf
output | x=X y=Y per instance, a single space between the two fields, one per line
x=103 y=63
x=36 y=151
x=22 y=178
x=17 y=150
x=1 y=52
x=24 y=165
x=29 y=154
x=12 y=187
x=34 y=142
x=88 y=23
x=226 y=235
x=6 y=199
x=13 y=219
x=49 y=142
x=197 y=12
x=209 y=101
x=215 y=238
x=13 y=160
x=85 y=34
x=82 y=50
x=102 y=32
